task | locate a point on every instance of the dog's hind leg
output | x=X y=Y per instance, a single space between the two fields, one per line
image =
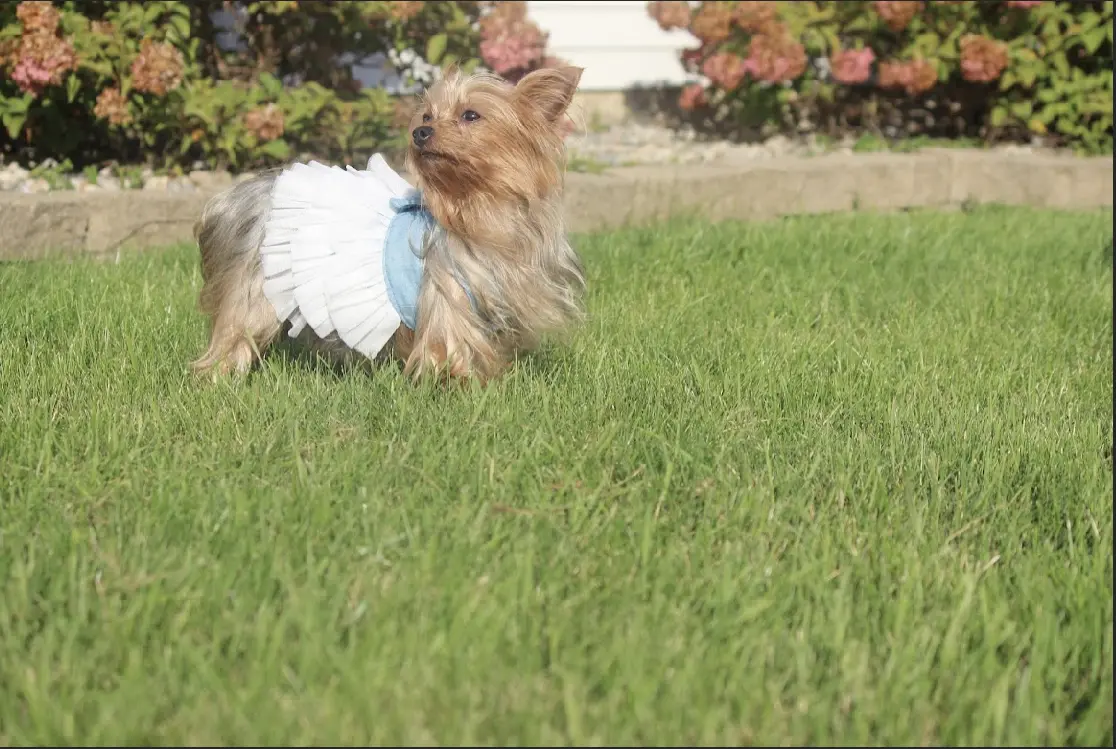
x=242 y=321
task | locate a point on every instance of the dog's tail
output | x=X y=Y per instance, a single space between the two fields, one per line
x=229 y=234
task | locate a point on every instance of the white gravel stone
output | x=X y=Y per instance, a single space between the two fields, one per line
x=206 y=180
x=650 y=144
x=628 y=144
x=181 y=184
x=156 y=183
x=12 y=176
x=36 y=185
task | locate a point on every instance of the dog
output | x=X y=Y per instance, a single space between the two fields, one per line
x=453 y=276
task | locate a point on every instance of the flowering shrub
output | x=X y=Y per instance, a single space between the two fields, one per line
x=952 y=67
x=851 y=66
x=148 y=81
x=512 y=45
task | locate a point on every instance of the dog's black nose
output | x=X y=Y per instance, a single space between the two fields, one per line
x=422 y=134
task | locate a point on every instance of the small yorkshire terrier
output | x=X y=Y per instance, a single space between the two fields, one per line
x=454 y=277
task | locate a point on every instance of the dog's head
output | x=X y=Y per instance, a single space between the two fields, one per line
x=478 y=137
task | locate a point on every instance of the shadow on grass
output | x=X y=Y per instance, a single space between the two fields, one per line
x=293 y=354
x=298 y=356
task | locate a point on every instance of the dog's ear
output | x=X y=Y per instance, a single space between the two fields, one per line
x=550 y=90
x=452 y=69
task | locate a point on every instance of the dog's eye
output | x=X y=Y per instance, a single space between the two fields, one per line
x=470 y=116
x=426 y=118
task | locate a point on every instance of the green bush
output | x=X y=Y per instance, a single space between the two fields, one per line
x=96 y=81
x=995 y=70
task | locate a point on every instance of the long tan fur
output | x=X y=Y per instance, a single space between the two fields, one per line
x=493 y=181
x=495 y=188
x=229 y=234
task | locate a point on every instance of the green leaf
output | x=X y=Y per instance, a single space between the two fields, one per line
x=1044 y=116
x=927 y=43
x=73 y=86
x=178 y=29
x=1061 y=64
x=272 y=86
x=1065 y=125
x=861 y=22
x=1089 y=20
x=277 y=149
x=74 y=23
x=103 y=68
x=1049 y=95
x=13 y=122
x=998 y=117
x=1022 y=109
x=1052 y=35
x=435 y=48
x=17 y=104
x=1094 y=38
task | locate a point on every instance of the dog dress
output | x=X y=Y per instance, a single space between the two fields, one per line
x=342 y=252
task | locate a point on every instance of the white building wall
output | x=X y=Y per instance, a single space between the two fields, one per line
x=617 y=43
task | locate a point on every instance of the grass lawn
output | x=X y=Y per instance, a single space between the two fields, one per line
x=824 y=480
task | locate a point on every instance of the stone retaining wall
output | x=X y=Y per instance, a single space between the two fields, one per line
x=99 y=224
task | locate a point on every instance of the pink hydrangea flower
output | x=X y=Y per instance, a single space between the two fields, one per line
x=775 y=58
x=692 y=97
x=31 y=76
x=913 y=76
x=982 y=59
x=43 y=60
x=510 y=42
x=725 y=69
x=509 y=52
x=1023 y=4
x=852 y=65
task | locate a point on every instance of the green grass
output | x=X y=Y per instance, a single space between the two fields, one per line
x=587 y=164
x=824 y=480
x=869 y=142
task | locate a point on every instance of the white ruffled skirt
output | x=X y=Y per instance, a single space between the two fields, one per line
x=323 y=251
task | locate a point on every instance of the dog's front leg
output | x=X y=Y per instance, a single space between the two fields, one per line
x=451 y=340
